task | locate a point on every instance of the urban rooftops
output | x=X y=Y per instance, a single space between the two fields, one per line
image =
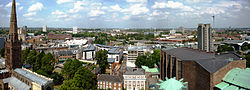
x=209 y=61
x=134 y=71
x=109 y=78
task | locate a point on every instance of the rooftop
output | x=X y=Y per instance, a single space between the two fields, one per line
x=90 y=47
x=132 y=48
x=114 y=51
x=209 y=61
x=65 y=53
x=33 y=76
x=17 y=84
x=134 y=71
x=109 y=78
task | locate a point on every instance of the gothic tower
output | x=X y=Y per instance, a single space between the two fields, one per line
x=13 y=45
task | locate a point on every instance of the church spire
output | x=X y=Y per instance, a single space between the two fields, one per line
x=13 y=36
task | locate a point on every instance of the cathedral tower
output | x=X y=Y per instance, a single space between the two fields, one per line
x=13 y=45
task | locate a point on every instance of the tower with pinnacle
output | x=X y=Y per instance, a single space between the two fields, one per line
x=13 y=45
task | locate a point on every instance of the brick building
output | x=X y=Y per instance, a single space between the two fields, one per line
x=106 y=81
x=59 y=36
x=200 y=69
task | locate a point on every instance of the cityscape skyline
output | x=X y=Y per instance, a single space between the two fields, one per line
x=128 y=13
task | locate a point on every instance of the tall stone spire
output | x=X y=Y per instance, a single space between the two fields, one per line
x=13 y=36
x=13 y=45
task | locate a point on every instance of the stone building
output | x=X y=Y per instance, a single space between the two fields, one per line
x=135 y=79
x=200 y=69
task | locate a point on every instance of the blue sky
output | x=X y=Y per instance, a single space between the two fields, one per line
x=127 y=13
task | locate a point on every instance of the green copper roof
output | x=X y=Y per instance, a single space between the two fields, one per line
x=222 y=85
x=238 y=77
x=171 y=84
x=231 y=88
x=147 y=69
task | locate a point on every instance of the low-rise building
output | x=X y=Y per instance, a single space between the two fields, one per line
x=89 y=52
x=134 y=79
x=106 y=81
x=134 y=52
x=64 y=55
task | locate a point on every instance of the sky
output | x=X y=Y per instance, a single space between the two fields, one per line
x=128 y=13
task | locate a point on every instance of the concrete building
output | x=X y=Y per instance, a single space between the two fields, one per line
x=135 y=79
x=106 y=81
x=115 y=55
x=22 y=34
x=44 y=28
x=204 y=37
x=89 y=52
x=200 y=69
x=134 y=52
x=62 y=56
x=75 y=30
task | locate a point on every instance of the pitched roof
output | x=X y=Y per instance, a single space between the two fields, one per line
x=109 y=78
x=208 y=61
x=90 y=47
x=134 y=71
x=33 y=76
x=17 y=84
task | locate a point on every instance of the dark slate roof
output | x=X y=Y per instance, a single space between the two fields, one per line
x=208 y=61
x=65 y=53
x=32 y=76
x=114 y=51
x=111 y=60
x=90 y=47
x=109 y=78
x=17 y=84
x=134 y=71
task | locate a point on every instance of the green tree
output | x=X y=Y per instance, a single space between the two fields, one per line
x=247 y=57
x=2 y=52
x=38 y=63
x=47 y=65
x=82 y=80
x=31 y=58
x=70 y=67
x=224 y=48
x=57 y=78
x=101 y=57
x=156 y=55
x=146 y=60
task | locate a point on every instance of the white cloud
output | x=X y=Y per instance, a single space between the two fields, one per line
x=171 y=4
x=10 y=4
x=63 y=1
x=247 y=7
x=136 y=9
x=136 y=1
x=198 y=1
x=78 y=6
x=20 y=8
x=126 y=17
x=59 y=14
x=29 y=14
x=115 y=8
x=36 y=7
x=35 y=19
x=159 y=13
x=93 y=13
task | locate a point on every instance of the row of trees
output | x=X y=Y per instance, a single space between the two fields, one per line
x=224 y=48
x=41 y=63
x=77 y=77
x=148 y=59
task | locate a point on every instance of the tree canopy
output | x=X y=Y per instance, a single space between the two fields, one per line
x=148 y=59
x=82 y=80
x=101 y=57
x=224 y=48
x=70 y=67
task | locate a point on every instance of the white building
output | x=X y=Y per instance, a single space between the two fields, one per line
x=115 y=55
x=134 y=79
x=44 y=28
x=134 y=52
x=172 y=32
x=76 y=43
x=75 y=30
x=89 y=52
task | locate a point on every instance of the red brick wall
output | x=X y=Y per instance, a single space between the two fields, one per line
x=188 y=73
x=219 y=75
